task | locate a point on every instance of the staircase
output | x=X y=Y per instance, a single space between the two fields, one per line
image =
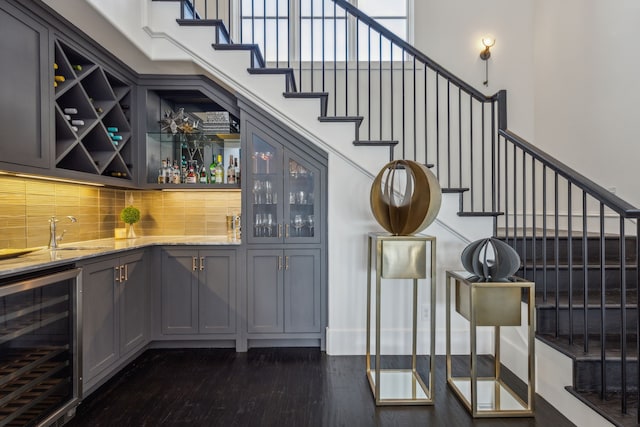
x=574 y=272
x=584 y=263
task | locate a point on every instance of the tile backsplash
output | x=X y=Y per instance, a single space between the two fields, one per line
x=27 y=204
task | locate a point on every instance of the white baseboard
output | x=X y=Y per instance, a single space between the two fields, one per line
x=346 y=342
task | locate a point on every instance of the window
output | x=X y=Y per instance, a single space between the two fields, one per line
x=319 y=29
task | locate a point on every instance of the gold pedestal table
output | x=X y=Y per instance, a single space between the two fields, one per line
x=493 y=304
x=401 y=257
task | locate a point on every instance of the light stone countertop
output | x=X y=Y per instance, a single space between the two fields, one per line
x=45 y=258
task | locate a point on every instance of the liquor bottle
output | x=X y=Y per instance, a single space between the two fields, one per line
x=176 y=178
x=203 y=175
x=219 y=171
x=191 y=176
x=212 y=170
x=231 y=172
x=237 y=167
x=168 y=172
x=161 y=172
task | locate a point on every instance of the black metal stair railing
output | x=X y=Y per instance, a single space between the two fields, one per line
x=579 y=244
x=577 y=241
x=396 y=95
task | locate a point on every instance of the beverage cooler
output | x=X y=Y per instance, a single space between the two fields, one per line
x=39 y=347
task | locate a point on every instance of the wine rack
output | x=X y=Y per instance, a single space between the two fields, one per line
x=92 y=116
x=38 y=356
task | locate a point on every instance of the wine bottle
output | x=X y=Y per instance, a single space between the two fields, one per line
x=212 y=170
x=59 y=78
x=74 y=128
x=77 y=122
x=231 y=172
x=112 y=129
x=203 y=175
x=219 y=171
x=55 y=66
x=116 y=138
x=77 y=67
x=70 y=111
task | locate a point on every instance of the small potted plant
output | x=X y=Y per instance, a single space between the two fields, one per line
x=130 y=215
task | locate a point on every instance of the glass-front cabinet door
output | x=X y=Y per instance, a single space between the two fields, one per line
x=282 y=194
x=300 y=207
x=266 y=191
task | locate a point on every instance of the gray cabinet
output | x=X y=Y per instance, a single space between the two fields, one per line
x=67 y=102
x=133 y=303
x=114 y=312
x=283 y=291
x=26 y=87
x=284 y=224
x=198 y=291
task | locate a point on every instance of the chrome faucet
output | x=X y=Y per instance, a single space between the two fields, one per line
x=53 y=238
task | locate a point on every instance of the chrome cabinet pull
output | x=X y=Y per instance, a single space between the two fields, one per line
x=201 y=263
x=118 y=276
x=286 y=232
x=193 y=265
x=279 y=263
x=279 y=230
x=286 y=263
x=126 y=272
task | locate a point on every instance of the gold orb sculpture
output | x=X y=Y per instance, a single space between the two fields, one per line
x=406 y=202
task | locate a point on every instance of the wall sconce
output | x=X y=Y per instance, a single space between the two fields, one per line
x=485 y=54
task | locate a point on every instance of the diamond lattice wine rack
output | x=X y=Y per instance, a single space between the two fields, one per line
x=92 y=116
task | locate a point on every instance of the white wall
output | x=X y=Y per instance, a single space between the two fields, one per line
x=586 y=76
x=450 y=33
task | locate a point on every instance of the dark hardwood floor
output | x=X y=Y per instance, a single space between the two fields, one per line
x=269 y=387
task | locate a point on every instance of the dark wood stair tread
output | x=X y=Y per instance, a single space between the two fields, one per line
x=355 y=119
x=253 y=48
x=479 y=214
x=576 y=350
x=322 y=96
x=287 y=72
x=455 y=190
x=372 y=143
x=612 y=300
x=200 y=22
x=610 y=406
